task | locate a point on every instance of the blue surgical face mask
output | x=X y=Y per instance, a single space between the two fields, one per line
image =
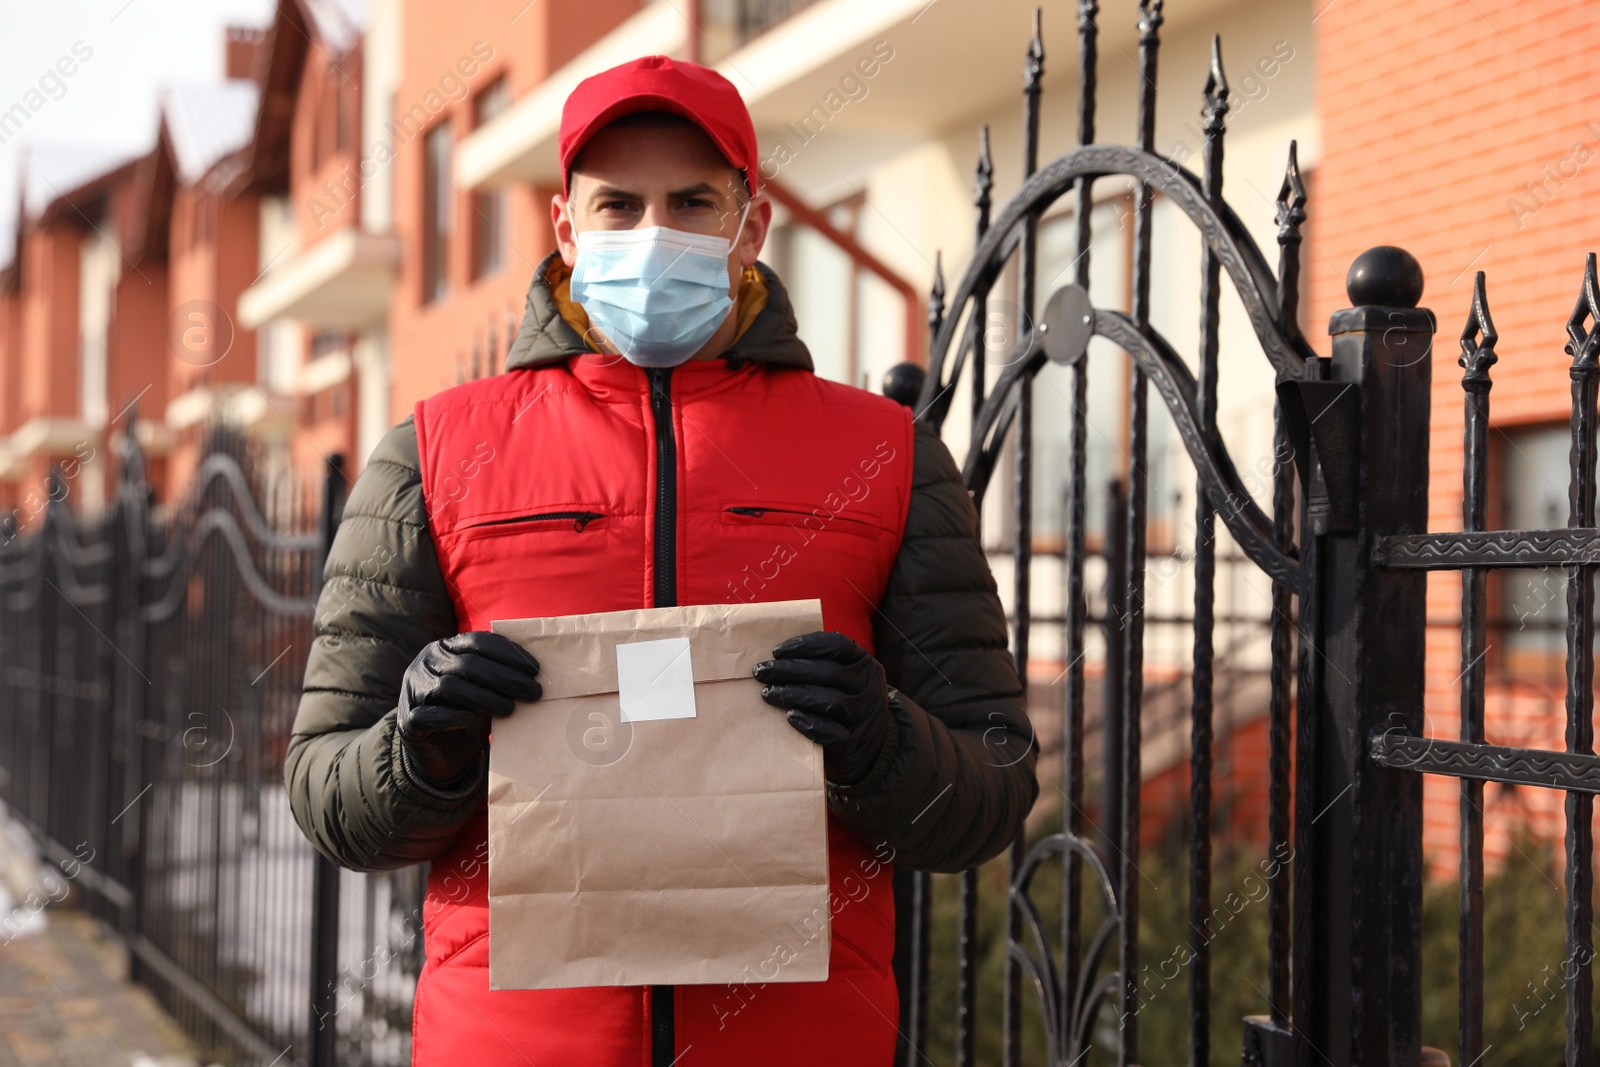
x=657 y=293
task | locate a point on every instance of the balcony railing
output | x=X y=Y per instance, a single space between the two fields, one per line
x=756 y=17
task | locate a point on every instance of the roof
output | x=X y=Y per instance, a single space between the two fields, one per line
x=49 y=173
x=207 y=122
x=338 y=22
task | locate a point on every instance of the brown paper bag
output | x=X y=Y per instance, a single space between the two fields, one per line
x=646 y=850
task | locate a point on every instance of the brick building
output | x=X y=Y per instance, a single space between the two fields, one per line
x=469 y=253
x=1472 y=173
x=328 y=257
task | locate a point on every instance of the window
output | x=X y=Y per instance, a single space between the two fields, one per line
x=348 y=118
x=489 y=205
x=325 y=341
x=324 y=128
x=1530 y=605
x=436 y=215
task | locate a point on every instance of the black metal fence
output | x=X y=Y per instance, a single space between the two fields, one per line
x=1476 y=552
x=152 y=666
x=1340 y=538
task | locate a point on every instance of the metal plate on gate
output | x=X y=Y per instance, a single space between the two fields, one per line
x=1067 y=325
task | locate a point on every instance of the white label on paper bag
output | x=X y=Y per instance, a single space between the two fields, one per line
x=655 y=680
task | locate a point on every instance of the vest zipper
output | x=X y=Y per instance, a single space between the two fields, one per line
x=666 y=582
x=663 y=1051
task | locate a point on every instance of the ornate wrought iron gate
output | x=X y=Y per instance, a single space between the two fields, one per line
x=1067 y=980
x=1343 y=542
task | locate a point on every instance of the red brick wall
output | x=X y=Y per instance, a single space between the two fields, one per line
x=10 y=389
x=325 y=188
x=214 y=251
x=244 y=51
x=137 y=357
x=214 y=257
x=1437 y=115
x=427 y=341
x=1240 y=789
x=10 y=348
x=49 y=322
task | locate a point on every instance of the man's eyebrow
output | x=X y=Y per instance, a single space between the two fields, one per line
x=611 y=191
x=698 y=189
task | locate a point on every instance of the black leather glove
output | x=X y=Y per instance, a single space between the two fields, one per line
x=835 y=694
x=450 y=692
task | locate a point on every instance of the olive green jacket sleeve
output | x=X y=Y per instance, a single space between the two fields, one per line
x=383 y=598
x=956 y=777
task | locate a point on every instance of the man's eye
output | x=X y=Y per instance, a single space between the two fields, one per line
x=698 y=202
x=616 y=205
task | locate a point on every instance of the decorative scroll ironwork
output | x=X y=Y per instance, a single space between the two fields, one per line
x=1220 y=230
x=1488 y=763
x=1488 y=548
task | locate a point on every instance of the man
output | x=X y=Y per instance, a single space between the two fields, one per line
x=658 y=438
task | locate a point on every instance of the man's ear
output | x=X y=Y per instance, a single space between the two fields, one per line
x=756 y=225
x=561 y=223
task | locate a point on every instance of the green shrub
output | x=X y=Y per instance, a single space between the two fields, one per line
x=1524 y=996
x=1524 y=1001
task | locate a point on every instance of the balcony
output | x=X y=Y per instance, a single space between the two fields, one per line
x=341 y=282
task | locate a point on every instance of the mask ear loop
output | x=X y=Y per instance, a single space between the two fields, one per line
x=733 y=245
x=744 y=214
x=572 y=219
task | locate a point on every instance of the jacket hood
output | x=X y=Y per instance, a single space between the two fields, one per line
x=553 y=324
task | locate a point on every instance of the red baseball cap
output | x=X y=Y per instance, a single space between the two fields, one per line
x=658 y=83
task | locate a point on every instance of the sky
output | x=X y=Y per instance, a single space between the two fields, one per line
x=109 y=105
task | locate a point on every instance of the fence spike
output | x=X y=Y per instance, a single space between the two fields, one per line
x=1033 y=70
x=1150 y=20
x=1585 y=344
x=1291 y=197
x=983 y=181
x=1087 y=59
x=1216 y=91
x=936 y=296
x=1478 y=338
x=1291 y=213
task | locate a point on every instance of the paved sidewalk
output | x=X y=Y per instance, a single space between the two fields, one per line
x=65 y=1001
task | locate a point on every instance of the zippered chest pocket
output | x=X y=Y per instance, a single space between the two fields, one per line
x=808 y=521
x=574 y=520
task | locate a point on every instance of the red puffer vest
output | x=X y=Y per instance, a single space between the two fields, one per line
x=575 y=487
